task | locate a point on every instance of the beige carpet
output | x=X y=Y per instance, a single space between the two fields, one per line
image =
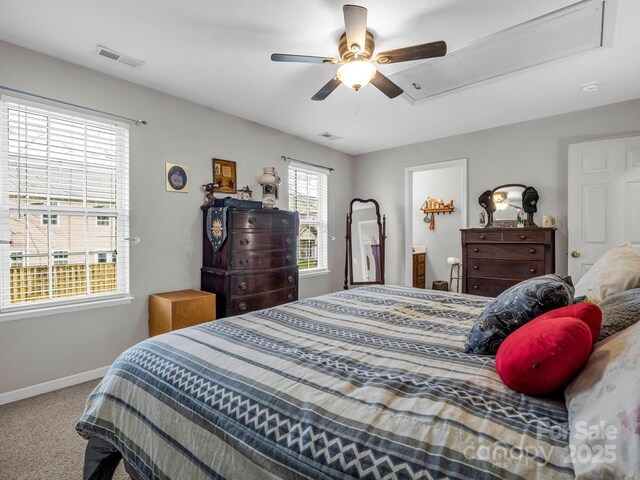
x=38 y=439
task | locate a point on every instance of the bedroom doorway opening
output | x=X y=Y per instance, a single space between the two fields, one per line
x=445 y=181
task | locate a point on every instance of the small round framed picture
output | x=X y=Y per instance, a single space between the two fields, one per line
x=177 y=177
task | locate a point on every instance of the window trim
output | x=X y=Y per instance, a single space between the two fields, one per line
x=121 y=215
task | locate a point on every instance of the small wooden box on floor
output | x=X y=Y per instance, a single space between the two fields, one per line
x=173 y=310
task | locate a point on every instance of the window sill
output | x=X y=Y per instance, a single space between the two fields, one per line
x=314 y=272
x=68 y=308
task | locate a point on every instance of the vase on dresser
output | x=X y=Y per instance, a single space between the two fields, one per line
x=270 y=182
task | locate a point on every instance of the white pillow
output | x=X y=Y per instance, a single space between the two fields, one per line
x=616 y=271
x=604 y=410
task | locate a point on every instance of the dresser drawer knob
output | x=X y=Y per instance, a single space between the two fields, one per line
x=252 y=220
x=476 y=287
x=288 y=258
x=242 y=286
x=482 y=237
x=285 y=221
x=476 y=267
x=532 y=270
x=532 y=250
x=288 y=241
x=244 y=242
x=290 y=278
x=523 y=236
x=290 y=296
x=476 y=250
x=243 y=261
x=242 y=306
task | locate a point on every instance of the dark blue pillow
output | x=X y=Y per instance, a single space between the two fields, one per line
x=515 y=307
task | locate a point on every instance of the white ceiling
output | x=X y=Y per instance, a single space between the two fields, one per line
x=217 y=53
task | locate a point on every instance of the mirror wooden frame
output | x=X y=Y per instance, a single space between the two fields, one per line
x=529 y=220
x=348 y=263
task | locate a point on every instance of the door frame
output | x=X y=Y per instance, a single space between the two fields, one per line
x=408 y=207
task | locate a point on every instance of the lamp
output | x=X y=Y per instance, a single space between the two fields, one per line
x=356 y=73
x=269 y=180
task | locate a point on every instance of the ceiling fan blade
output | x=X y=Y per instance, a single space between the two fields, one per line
x=327 y=89
x=285 y=57
x=416 y=52
x=386 y=86
x=355 y=25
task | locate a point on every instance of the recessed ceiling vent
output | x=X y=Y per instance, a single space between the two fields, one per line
x=118 y=57
x=329 y=136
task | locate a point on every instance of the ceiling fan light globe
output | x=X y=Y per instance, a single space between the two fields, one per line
x=356 y=74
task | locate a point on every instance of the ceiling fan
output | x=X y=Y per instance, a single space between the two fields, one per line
x=356 y=47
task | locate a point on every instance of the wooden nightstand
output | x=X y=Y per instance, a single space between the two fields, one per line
x=173 y=310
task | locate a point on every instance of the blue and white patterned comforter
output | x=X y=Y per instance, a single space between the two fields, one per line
x=367 y=383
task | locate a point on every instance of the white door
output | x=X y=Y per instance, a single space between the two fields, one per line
x=604 y=199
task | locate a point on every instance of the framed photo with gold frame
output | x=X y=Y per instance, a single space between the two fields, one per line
x=224 y=175
x=176 y=177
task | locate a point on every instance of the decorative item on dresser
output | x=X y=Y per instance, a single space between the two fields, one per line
x=249 y=258
x=419 y=269
x=494 y=259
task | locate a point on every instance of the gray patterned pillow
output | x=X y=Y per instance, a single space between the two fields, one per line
x=619 y=311
x=515 y=307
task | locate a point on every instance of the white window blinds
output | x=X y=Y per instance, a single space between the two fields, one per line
x=65 y=203
x=308 y=196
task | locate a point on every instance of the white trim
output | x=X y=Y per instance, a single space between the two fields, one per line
x=313 y=272
x=52 y=385
x=408 y=207
x=49 y=310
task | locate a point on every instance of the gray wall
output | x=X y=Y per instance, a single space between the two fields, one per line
x=35 y=350
x=533 y=153
x=39 y=349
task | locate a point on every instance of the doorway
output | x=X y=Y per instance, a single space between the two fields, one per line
x=445 y=180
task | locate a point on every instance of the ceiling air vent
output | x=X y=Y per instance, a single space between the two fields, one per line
x=329 y=136
x=118 y=57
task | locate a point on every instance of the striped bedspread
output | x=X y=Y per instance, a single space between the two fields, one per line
x=366 y=383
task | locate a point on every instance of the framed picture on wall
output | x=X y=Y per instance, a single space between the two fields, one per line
x=177 y=177
x=224 y=175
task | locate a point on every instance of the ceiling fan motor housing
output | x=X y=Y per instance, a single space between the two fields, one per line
x=347 y=55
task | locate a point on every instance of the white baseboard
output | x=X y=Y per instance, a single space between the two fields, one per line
x=52 y=385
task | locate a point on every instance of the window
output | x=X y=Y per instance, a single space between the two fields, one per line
x=61 y=257
x=57 y=168
x=308 y=196
x=17 y=259
x=105 y=257
x=50 y=219
x=103 y=221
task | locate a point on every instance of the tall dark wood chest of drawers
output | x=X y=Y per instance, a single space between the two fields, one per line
x=494 y=259
x=257 y=266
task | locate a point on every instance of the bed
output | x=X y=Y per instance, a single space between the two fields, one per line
x=366 y=383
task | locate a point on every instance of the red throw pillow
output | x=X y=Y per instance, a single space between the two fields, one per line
x=543 y=355
x=589 y=313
